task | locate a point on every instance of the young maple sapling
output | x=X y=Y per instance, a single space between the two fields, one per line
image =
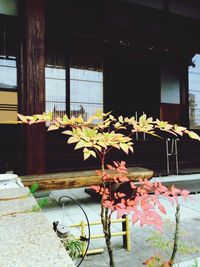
x=96 y=137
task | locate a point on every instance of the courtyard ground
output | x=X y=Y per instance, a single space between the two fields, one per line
x=141 y=249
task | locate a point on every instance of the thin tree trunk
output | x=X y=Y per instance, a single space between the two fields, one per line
x=108 y=240
x=106 y=221
x=176 y=234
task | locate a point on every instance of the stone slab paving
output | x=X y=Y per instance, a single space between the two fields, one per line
x=140 y=248
x=26 y=237
x=189 y=263
x=189 y=181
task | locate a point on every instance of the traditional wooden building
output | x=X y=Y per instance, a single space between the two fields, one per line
x=74 y=56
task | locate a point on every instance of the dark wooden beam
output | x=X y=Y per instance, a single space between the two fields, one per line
x=32 y=83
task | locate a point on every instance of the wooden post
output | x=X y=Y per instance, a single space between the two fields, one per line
x=83 y=235
x=184 y=90
x=126 y=228
x=128 y=234
x=32 y=84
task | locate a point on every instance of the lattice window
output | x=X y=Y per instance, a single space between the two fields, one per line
x=74 y=80
x=86 y=92
x=55 y=90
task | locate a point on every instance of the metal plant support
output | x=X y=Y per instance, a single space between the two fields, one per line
x=172 y=152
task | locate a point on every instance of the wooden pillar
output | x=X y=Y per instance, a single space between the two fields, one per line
x=184 y=91
x=32 y=84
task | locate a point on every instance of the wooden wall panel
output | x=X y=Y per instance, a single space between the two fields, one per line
x=170 y=113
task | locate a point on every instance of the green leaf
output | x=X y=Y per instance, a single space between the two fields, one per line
x=65 y=118
x=124 y=147
x=112 y=117
x=193 y=135
x=52 y=127
x=117 y=124
x=121 y=119
x=131 y=148
x=34 y=187
x=73 y=246
x=93 y=153
x=161 y=124
x=106 y=114
x=50 y=115
x=150 y=120
x=98 y=147
x=115 y=145
x=86 y=153
x=43 y=202
x=80 y=144
x=73 y=139
x=126 y=139
x=67 y=132
x=99 y=114
x=88 y=132
x=107 y=123
x=101 y=143
x=22 y=118
x=142 y=118
x=79 y=119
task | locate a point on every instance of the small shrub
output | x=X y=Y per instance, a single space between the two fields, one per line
x=73 y=246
